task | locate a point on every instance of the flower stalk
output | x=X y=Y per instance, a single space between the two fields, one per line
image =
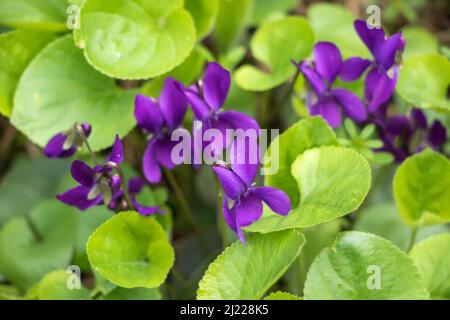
x=126 y=194
x=83 y=136
x=184 y=206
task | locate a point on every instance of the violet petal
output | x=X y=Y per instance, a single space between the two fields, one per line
x=276 y=199
x=148 y=114
x=216 y=84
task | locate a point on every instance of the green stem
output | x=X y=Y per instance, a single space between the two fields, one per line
x=184 y=206
x=86 y=143
x=412 y=239
x=123 y=182
x=220 y=219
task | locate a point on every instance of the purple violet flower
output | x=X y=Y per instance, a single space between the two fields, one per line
x=237 y=182
x=65 y=144
x=403 y=135
x=321 y=76
x=160 y=118
x=97 y=184
x=206 y=100
x=135 y=186
x=383 y=72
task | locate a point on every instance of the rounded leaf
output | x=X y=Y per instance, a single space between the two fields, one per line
x=248 y=271
x=424 y=81
x=422 y=189
x=275 y=44
x=131 y=251
x=72 y=92
x=142 y=39
x=363 y=266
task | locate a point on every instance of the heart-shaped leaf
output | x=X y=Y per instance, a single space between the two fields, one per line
x=30 y=249
x=72 y=91
x=248 y=271
x=46 y=15
x=422 y=189
x=275 y=44
x=142 y=39
x=363 y=266
x=424 y=81
x=131 y=251
x=307 y=133
x=333 y=182
x=17 y=49
x=432 y=257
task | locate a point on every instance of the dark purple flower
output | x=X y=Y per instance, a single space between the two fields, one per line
x=403 y=135
x=330 y=101
x=97 y=184
x=237 y=182
x=206 y=100
x=383 y=72
x=65 y=144
x=135 y=186
x=160 y=118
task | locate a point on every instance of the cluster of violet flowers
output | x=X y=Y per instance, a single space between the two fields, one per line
x=158 y=119
x=398 y=133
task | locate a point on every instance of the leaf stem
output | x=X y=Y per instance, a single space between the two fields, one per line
x=412 y=239
x=184 y=206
